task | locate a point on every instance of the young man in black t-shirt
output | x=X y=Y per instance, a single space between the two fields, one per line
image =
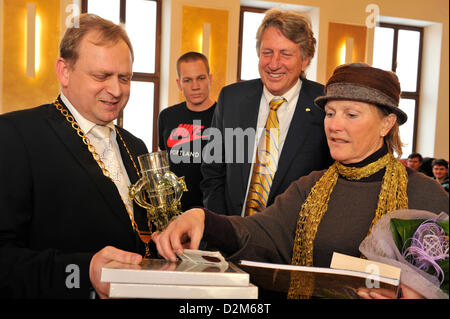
x=181 y=126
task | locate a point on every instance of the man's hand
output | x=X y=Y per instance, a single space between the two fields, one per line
x=103 y=257
x=185 y=231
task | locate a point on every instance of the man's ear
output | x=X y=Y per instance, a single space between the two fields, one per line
x=305 y=63
x=179 y=85
x=62 y=72
x=210 y=80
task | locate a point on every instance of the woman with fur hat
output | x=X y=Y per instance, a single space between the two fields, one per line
x=334 y=209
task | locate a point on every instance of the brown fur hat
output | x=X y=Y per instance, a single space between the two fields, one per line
x=361 y=82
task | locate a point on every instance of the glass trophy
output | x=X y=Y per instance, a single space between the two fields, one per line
x=158 y=190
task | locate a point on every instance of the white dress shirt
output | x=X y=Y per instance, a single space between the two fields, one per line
x=285 y=113
x=87 y=126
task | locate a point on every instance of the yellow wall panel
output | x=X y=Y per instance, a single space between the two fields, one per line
x=337 y=35
x=20 y=91
x=191 y=40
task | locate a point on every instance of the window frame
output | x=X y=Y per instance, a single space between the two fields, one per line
x=155 y=77
x=244 y=9
x=412 y=95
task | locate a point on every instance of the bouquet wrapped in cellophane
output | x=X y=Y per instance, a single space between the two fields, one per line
x=417 y=242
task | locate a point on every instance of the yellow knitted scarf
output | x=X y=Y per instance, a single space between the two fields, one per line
x=392 y=197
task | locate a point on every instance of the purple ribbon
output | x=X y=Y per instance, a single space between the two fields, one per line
x=429 y=244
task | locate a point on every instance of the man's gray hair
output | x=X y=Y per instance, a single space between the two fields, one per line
x=293 y=25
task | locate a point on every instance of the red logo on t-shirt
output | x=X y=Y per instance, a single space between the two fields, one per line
x=185 y=133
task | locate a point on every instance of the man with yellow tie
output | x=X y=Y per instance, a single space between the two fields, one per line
x=289 y=140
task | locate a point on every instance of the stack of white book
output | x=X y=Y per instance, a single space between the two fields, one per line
x=157 y=278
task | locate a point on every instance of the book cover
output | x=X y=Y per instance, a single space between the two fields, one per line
x=161 y=272
x=124 y=290
x=340 y=282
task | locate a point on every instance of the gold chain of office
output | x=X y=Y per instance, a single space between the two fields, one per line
x=144 y=236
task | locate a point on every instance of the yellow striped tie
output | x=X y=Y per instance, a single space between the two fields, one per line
x=266 y=163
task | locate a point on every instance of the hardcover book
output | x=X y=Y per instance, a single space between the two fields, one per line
x=161 y=272
x=157 y=278
x=123 y=290
x=341 y=281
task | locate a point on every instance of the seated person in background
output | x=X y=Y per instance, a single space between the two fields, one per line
x=333 y=209
x=440 y=172
x=181 y=126
x=414 y=161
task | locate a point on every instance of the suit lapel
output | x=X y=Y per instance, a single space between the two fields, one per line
x=75 y=146
x=296 y=137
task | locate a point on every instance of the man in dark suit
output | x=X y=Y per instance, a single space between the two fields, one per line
x=285 y=45
x=61 y=217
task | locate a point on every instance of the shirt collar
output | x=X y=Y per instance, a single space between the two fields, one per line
x=289 y=95
x=84 y=123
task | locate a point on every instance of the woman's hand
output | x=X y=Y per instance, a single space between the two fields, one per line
x=185 y=231
x=380 y=293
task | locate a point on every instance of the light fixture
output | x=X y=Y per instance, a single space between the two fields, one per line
x=205 y=39
x=342 y=54
x=31 y=43
x=349 y=50
x=33 y=30
x=346 y=51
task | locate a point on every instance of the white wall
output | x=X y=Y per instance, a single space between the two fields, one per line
x=429 y=89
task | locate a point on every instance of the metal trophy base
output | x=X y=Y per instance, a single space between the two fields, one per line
x=160 y=217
